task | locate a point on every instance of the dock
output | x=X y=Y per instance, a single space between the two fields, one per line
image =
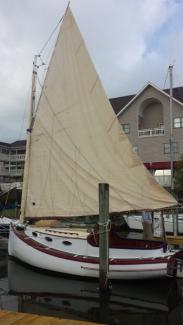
x=172 y=240
x=14 y=318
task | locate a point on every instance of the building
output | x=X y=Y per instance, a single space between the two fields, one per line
x=12 y=157
x=145 y=118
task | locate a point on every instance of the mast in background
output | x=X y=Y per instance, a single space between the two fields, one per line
x=29 y=129
x=175 y=217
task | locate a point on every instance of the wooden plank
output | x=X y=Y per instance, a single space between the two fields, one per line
x=172 y=240
x=16 y=318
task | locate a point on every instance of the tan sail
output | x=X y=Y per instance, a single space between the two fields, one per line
x=77 y=142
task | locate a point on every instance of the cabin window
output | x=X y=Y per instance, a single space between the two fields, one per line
x=126 y=128
x=67 y=243
x=178 y=122
x=48 y=238
x=167 y=147
x=34 y=234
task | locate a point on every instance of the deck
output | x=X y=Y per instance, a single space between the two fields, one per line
x=14 y=318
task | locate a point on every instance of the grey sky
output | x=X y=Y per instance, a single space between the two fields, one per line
x=130 y=41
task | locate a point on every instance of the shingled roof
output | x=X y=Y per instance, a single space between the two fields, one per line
x=18 y=143
x=119 y=102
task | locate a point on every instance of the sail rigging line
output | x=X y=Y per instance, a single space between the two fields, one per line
x=51 y=35
x=166 y=79
x=76 y=147
x=43 y=48
x=25 y=110
x=54 y=30
x=28 y=143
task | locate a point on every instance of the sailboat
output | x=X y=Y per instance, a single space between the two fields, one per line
x=74 y=143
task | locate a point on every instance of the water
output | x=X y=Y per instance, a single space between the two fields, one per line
x=144 y=302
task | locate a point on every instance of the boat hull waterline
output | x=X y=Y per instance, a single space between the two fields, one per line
x=45 y=256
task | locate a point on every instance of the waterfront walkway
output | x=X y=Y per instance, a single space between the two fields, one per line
x=15 y=318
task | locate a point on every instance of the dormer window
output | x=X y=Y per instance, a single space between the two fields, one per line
x=126 y=128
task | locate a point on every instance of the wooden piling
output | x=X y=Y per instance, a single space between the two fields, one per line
x=103 y=235
x=175 y=222
x=147 y=225
x=163 y=227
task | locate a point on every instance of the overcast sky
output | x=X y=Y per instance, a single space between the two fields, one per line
x=131 y=42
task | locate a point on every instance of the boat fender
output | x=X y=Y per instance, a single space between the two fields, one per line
x=164 y=248
x=67 y=243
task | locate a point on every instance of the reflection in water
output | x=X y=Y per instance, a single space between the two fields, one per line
x=130 y=302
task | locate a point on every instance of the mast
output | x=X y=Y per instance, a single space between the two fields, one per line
x=29 y=129
x=171 y=125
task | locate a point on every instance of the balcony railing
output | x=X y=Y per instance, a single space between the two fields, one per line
x=19 y=157
x=151 y=132
x=11 y=173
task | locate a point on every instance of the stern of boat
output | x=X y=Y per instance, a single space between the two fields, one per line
x=11 y=241
x=175 y=265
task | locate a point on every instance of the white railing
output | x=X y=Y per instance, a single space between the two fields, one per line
x=17 y=157
x=4 y=172
x=11 y=173
x=18 y=172
x=4 y=156
x=151 y=132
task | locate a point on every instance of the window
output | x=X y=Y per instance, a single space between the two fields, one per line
x=126 y=128
x=6 y=151
x=21 y=152
x=178 y=122
x=175 y=147
x=166 y=148
x=163 y=177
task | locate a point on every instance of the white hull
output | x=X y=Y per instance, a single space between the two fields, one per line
x=80 y=258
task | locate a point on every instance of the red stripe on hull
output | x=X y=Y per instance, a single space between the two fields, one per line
x=80 y=258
